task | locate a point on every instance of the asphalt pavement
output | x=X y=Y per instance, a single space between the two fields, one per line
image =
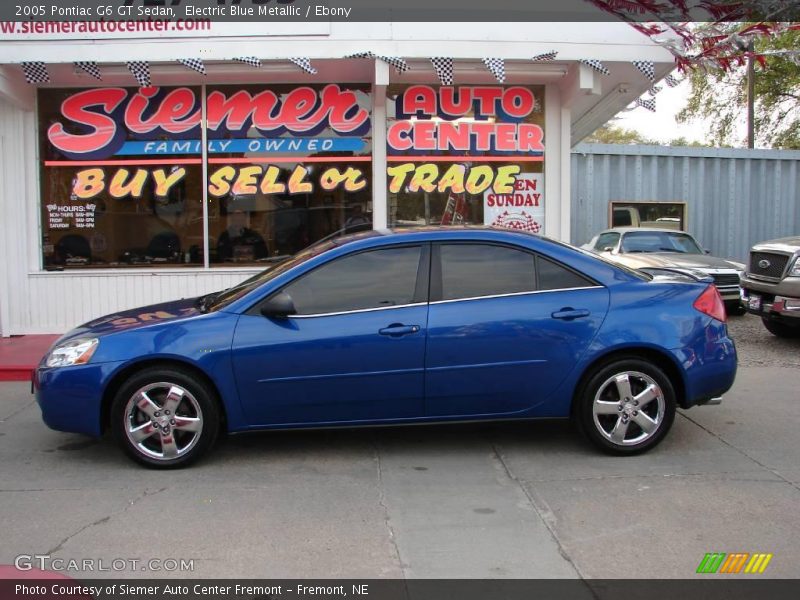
x=486 y=500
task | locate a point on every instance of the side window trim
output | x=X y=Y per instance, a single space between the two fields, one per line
x=421 y=288
x=510 y=294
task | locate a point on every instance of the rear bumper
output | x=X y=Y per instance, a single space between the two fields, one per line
x=71 y=398
x=709 y=366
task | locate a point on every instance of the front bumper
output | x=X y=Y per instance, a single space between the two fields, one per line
x=71 y=398
x=762 y=301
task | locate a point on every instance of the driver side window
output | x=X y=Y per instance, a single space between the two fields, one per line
x=372 y=279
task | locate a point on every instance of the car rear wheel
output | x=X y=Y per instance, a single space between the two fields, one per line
x=626 y=406
x=781 y=329
x=165 y=418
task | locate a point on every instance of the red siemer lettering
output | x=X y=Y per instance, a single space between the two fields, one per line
x=302 y=110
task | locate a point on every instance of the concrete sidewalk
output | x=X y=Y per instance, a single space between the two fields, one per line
x=501 y=500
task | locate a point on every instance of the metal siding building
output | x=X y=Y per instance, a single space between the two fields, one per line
x=734 y=197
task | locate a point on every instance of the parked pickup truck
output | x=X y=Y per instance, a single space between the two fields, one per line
x=771 y=285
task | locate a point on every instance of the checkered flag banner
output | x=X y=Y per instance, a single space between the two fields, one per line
x=647 y=67
x=305 y=64
x=35 y=72
x=648 y=103
x=248 y=60
x=671 y=81
x=195 y=64
x=399 y=64
x=90 y=68
x=444 y=69
x=141 y=71
x=654 y=90
x=546 y=56
x=519 y=221
x=596 y=65
x=497 y=66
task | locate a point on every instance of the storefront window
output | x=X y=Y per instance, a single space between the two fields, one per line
x=288 y=166
x=121 y=184
x=122 y=181
x=466 y=155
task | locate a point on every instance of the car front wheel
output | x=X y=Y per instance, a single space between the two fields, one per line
x=165 y=417
x=626 y=406
x=781 y=329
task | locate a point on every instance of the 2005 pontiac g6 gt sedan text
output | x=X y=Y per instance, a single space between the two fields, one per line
x=414 y=326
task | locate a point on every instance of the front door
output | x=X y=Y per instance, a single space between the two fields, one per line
x=354 y=351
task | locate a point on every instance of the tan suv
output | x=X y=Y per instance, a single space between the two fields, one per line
x=771 y=285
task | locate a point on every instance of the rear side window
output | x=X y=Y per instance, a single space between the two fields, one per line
x=553 y=276
x=373 y=279
x=474 y=270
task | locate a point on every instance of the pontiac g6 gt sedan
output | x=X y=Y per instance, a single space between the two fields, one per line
x=414 y=326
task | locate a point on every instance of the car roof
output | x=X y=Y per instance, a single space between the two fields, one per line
x=656 y=229
x=434 y=232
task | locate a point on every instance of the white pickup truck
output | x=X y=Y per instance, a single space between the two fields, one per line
x=771 y=285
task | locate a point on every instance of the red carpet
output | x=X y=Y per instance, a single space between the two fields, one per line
x=19 y=355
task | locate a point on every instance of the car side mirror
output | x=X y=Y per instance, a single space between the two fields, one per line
x=706 y=251
x=607 y=249
x=280 y=306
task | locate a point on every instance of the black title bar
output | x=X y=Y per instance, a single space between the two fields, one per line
x=449 y=11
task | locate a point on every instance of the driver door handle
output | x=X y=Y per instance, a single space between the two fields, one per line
x=568 y=314
x=398 y=329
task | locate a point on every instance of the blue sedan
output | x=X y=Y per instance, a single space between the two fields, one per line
x=414 y=326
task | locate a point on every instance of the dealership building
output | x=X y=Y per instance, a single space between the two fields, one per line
x=153 y=163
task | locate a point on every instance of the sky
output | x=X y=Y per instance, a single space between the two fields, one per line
x=661 y=125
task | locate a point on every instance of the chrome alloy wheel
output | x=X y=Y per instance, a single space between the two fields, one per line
x=628 y=408
x=163 y=421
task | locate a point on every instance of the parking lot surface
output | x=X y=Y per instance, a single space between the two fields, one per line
x=486 y=500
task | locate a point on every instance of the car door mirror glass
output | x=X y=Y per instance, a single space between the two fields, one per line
x=279 y=306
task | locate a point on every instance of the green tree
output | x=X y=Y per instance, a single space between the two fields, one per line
x=719 y=97
x=612 y=134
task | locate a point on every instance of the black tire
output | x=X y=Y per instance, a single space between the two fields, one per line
x=660 y=410
x=197 y=411
x=781 y=330
x=735 y=309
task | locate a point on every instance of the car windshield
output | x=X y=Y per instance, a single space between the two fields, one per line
x=218 y=300
x=659 y=241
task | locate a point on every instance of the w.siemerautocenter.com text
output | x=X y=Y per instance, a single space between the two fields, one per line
x=104 y=26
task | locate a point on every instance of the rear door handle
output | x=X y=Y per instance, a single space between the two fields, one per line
x=568 y=314
x=398 y=329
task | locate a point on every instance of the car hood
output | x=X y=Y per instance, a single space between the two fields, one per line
x=135 y=318
x=674 y=259
x=788 y=244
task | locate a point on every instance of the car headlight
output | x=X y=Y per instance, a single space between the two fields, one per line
x=74 y=352
x=795 y=270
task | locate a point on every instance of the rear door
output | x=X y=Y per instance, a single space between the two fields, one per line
x=505 y=327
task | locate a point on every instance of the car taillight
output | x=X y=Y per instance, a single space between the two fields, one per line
x=711 y=304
